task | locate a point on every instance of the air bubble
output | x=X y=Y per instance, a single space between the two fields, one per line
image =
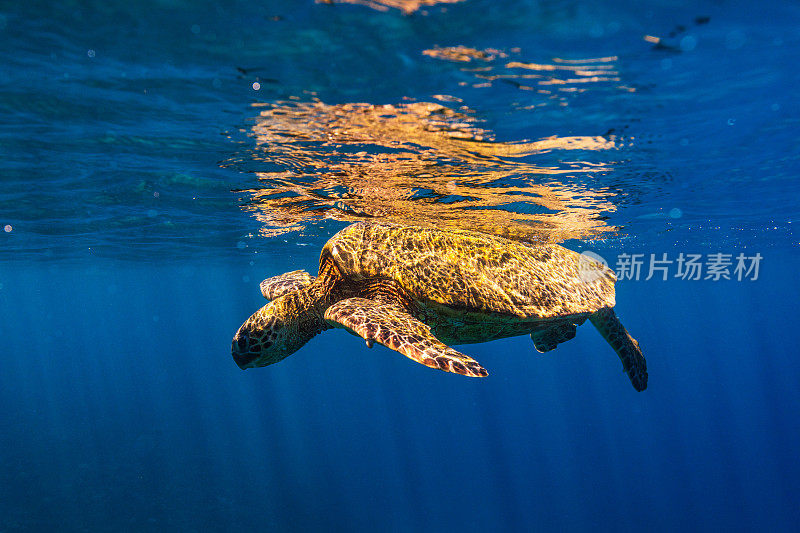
x=596 y=31
x=734 y=40
x=688 y=43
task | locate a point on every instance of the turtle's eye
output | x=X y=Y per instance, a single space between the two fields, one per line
x=242 y=343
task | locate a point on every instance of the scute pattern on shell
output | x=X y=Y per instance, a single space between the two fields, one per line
x=472 y=271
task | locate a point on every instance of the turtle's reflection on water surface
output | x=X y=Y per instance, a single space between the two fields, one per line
x=423 y=163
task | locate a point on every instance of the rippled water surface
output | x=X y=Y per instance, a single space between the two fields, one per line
x=159 y=158
x=541 y=121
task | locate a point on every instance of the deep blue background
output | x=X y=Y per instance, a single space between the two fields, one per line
x=120 y=408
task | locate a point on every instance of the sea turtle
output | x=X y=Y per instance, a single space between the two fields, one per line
x=417 y=289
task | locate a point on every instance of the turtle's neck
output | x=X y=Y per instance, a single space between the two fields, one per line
x=305 y=309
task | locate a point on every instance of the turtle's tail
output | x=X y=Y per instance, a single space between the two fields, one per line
x=612 y=330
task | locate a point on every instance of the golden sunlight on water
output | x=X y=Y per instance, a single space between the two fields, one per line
x=555 y=80
x=406 y=6
x=421 y=163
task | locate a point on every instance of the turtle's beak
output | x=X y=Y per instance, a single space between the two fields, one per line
x=240 y=349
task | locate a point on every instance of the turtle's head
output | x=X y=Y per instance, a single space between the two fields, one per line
x=274 y=332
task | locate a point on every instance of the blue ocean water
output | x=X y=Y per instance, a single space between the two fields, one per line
x=159 y=158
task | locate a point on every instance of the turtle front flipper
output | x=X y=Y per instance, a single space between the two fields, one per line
x=391 y=325
x=277 y=286
x=612 y=330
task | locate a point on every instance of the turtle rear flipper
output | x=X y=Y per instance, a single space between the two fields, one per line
x=277 y=286
x=391 y=325
x=547 y=340
x=612 y=330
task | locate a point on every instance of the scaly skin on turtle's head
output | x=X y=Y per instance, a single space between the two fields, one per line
x=278 y=329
